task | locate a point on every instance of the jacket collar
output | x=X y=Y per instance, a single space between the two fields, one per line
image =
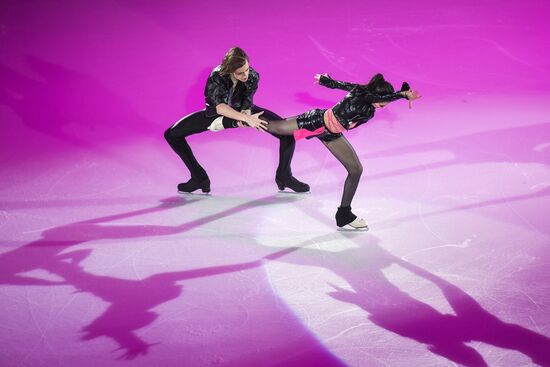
x=252 y=78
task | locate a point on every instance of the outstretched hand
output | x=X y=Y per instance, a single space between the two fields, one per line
x=255 y=121
x=318 y=77
x=412 y=95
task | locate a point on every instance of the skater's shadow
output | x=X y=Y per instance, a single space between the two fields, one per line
x=130 y=301
x=394 y=310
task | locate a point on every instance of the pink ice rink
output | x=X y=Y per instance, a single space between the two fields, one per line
x=102 y=263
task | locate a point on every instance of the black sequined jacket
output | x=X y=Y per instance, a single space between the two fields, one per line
x=219 y=89
x=356 y=107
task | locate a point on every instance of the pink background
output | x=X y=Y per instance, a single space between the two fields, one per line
x=98 y=253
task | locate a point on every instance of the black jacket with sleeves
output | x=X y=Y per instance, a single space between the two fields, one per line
x=219 y=89
x=356 y=107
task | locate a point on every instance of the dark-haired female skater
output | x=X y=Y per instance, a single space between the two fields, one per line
x=357 y=107
x=229 y=91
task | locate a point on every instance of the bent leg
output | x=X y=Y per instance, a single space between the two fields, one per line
x=175 y=136
x=287 y=144
x=344 y=152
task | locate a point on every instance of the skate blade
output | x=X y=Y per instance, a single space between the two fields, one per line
x=292 y=192
x=185 y=193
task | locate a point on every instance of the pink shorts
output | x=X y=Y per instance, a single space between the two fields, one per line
x=331 y=124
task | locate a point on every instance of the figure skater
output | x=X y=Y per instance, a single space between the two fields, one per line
x=229 y=92
x=357 y=107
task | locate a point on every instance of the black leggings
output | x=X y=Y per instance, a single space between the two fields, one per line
x=339 y=147
x=198 y=122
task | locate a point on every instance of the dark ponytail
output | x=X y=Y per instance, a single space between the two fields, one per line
x=379 y=85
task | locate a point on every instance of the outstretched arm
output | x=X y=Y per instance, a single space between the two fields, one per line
x=409 y=94
x=405 y=92
x=326 y=81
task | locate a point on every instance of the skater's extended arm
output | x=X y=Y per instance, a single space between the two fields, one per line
x=326 y=81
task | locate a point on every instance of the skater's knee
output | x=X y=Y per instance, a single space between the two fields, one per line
x=355 y=170
x=168 y=135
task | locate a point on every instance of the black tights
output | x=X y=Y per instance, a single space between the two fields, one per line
x=339 y=147
x=282 y=127
x=198 y=122
x=344 y=152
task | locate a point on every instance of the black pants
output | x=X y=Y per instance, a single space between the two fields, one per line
x=198 y=122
